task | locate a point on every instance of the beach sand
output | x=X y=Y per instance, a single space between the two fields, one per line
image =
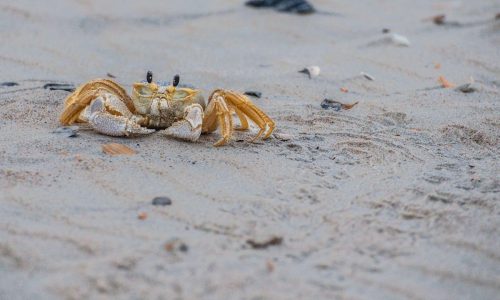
x=396 y=198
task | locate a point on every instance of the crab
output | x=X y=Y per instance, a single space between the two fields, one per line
x=179 y=112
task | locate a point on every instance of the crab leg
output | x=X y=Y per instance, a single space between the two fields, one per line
x=253 y=112
x=218 y=113
x=190 y=127
x=106 y=123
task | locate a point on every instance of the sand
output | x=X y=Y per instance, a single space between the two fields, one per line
x=397 y=198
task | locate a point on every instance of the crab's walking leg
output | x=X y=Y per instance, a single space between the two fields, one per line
x=253 y=112
x=190 y=127
x=104 y=122
x=218 y=113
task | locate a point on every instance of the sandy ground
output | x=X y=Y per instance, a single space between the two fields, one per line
x=397 y=198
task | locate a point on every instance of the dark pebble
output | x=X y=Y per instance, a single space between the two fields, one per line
x=331 y=104
x=163 y=201
x=9 y=83
x=183 y=248
x=110 y=75
x=59 y=87
x=467 y=88
x=253 y=94
x=290 y=6
x=68 y=131
x=386 y=30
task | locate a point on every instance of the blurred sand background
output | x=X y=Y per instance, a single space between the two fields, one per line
x=397 y=198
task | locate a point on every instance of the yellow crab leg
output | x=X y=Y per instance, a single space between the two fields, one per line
x=253 y=112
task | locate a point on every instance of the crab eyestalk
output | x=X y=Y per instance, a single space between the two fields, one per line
x=149 y=77
x=176 y=80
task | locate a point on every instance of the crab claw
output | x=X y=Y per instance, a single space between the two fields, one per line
x=190 y=127
x=106 y=123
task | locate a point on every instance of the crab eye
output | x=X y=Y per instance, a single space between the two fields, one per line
x=149 y=77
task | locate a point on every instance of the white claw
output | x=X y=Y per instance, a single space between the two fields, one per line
x=106 y=123
x=190 y=128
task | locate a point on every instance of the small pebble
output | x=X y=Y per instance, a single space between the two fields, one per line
x=60 y=87
x=176 y=245
x=110 y=75
x=367 y=76
x=439 y=19
x=311 y=71
x=329 y=104
x=386 y=30
x=467 y=88
x=163 y=201
x=67 y=131
x=336 y=105
x=9 y=83
x=291 y=6
x=142 y=216
x=253 y=94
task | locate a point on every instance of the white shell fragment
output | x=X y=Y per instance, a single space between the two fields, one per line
x=367 y=76
x=311 y=71
x=400 y=40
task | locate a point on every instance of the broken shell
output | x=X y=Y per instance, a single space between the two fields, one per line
x=311 y=71
x=467 y=88
x=117 y=149
x=367 y=76
x=445 y=83
x=336 y=105
x=68 y=131
x=400 y=40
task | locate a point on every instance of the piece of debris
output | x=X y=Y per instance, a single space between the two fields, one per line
x=311 y=71
x=497 y=16
x=60 y=87
x=142 y=216
x=386 y=30
x=445 y=83
x=67 y=131
x=335 y=105
x=253 y=94
x=283 y=136
x=9 y=83
x=162 y=201
x=467 y=88
x=273 y=241
x=344 y=90
x=400 y=40
x=437 y=66
x=117 y=149
x=270 y=266
x=367 y=76
x=291 y=6
x=176 y=245
x=110 y=75
x=439 y=19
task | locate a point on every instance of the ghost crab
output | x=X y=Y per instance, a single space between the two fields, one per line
x=180 y=112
